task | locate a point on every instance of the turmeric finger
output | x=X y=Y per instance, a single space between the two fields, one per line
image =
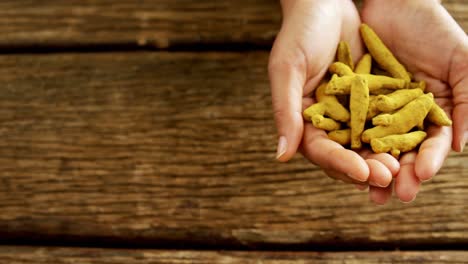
x=373 y=110
x=383 y=91
x=327 y=105
x=397 y=99
x=358 y=104
x=419 y=85
x=328 y=124
x=342 y=85
x=438 y=116
x=342 y=136
x=395 y=144
x=382 y=55
x=340 y=69
x=343 y=54
x=378 y=71
x=364 y=65
x=383 y=120
x=401 y=121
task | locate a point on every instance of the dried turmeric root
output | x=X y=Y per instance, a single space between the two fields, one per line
x=377 y=106
x=395 y=144
x=343 y=54
x=342 y=85
x=373 y=110
x=397 y=99
x=418 y=85
x=342 y=136
x=382 y=55
x=327 y=105
x=358 y=104
x=411 y=115
x=438 y=116
x=340 y=69
x=364 y=65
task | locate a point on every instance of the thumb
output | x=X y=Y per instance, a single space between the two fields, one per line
x=287 y=78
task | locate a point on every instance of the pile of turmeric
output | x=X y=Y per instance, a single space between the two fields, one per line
x=371 y=104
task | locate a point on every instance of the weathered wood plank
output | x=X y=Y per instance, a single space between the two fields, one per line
x=149 y=23
x=152 y=23
x=23 y=255
x=170 y=147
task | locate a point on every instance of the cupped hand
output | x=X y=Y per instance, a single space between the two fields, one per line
x=300 y=57
x=425 y=38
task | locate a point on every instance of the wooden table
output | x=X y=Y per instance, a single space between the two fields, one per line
x=142 y=132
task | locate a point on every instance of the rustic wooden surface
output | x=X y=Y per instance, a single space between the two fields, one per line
x=175 y=150
x=179 y=147
x=39 y=255
x=151 y=23
x=53 y=24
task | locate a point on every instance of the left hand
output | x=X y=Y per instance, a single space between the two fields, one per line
x=426 y=39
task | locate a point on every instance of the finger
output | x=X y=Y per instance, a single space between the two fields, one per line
x=287 y=79
x=361 y=187
x=379 y=195
x=460 y=126
x=433 y=151
x=341 y=176
x=406 y=183
x=330 y=155
x=386 y=159
x=380 y=175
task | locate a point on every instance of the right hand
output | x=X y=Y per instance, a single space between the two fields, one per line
x=301 y=54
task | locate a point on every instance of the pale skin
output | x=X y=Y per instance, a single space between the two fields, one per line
x=304 y=49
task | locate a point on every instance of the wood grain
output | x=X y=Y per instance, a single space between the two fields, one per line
x=178 y=149
x=113 y=24
x=39 y=255
x=148 y=23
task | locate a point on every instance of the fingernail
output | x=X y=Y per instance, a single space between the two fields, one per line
x=410 y=201
x=376 y=184
x=282 y=145
x=357 y=179
x=360 y=187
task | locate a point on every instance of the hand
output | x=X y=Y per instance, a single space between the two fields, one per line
x=302 y=52
x=426 y=39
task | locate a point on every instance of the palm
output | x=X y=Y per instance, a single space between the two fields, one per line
x=428 y=42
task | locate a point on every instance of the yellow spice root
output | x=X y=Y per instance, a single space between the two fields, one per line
x=382 y=55
x=342 y=136
x=397 y=99
x=327 y=105
x=438 y=116
x=364 y=65
x=418 y=85
x=383 y=94
x=343 y=54
x=340 y=69
x=380 y=72
x=342 y=85
x=413 y=85
x=402 y=121
x=373 y=110
x=358 y=104
x=327 y=124
x=395 y=144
